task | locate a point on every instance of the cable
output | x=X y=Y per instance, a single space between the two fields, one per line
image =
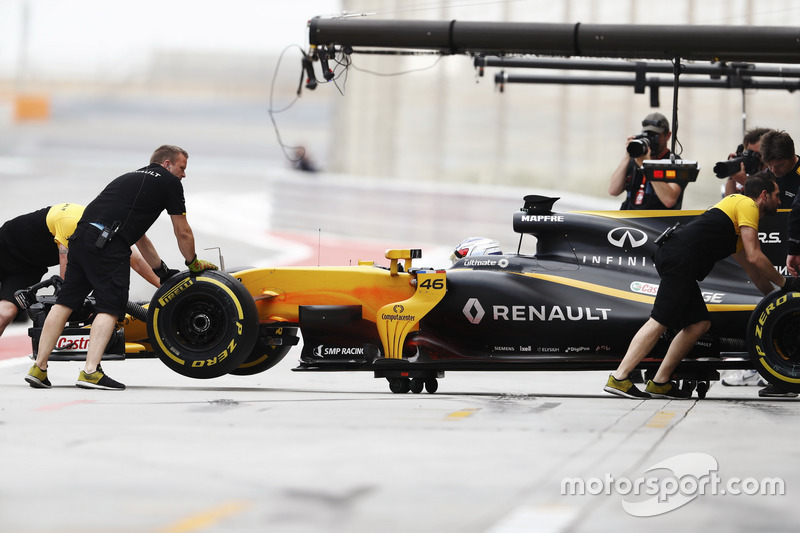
x=345 y=63
x=342 y=65
x=272 y=112
x=391 y=74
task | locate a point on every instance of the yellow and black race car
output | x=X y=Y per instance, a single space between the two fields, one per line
x=572 y=305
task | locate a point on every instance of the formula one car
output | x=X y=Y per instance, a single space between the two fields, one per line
x=573 y=305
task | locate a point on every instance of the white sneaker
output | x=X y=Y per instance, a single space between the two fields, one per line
x=743 y=378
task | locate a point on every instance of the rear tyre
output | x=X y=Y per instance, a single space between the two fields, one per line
x=202 y=326
x=773 y=339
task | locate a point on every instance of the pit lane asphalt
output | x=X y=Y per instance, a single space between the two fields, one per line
x=313 y=452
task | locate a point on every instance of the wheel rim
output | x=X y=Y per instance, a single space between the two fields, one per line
x=786 y=337
x=199 y=322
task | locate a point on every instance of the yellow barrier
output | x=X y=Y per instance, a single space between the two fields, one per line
x=31 y=107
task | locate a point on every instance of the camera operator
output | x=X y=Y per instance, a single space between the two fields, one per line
x=777 y=152
x=641 y=193
x=748 y=151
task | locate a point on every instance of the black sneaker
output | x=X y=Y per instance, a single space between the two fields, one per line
x=98 y=380
x=772 y=391
x=624 y=388
x=37 y=378
x=668 y=391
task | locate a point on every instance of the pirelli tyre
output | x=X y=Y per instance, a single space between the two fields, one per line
x=202 y=326
x=773 y=339
x=267 y=353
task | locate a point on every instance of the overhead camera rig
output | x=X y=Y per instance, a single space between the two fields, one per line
x=729 y=50
x=757 y=44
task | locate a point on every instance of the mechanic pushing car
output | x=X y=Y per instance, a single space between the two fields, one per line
x=685 y=256
x=33 y=242
x=100 y=251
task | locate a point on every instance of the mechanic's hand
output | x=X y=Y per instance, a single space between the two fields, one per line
x=196 y=265
x=164 y=273
x=793 y=264
x=792 y=284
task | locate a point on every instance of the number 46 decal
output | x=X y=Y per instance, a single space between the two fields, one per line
x=436 y=284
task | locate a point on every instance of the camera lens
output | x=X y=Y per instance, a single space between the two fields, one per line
x=723 y=169
x=638 y=147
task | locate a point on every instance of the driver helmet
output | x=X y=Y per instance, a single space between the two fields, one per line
x=476 y=246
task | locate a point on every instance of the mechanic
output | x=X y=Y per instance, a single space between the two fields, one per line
x=31 y=243
x=683 y=259
x=641 y=193
x=777 y=152
x=113 y=222
x=752 y=142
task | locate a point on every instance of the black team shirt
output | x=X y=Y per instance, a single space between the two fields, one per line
x=136 y=200
x=25 y=240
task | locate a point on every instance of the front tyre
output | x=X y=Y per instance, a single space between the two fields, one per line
x=773 y=339
x=202 y=326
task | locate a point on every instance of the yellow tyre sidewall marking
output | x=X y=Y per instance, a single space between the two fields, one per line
x=760 y=342
x=169 y=352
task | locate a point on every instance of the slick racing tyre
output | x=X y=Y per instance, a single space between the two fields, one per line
x=202 y=326
x=773 y=339
x=265 y=355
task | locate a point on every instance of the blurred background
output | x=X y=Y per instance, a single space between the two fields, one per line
x=408 y=150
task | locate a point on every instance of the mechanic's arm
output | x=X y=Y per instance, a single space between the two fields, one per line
x=184 y=236
x=147 y=252
x=668 y=193
x=793 y=264
x=756 y=264
x=141 y=267
x=62 y=259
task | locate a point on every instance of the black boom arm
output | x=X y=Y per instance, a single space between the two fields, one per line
x=769 y=44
